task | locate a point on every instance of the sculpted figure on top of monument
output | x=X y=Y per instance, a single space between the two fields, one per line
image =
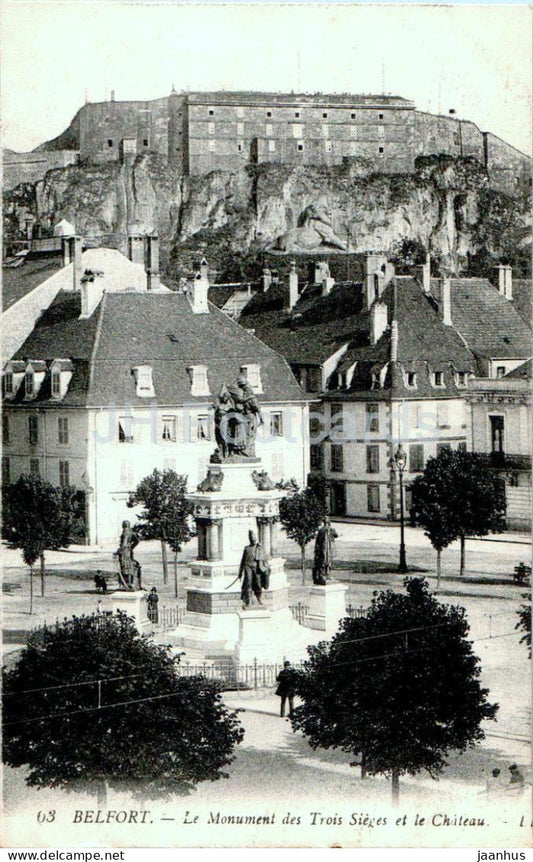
x=237 y=417
x=212 y=482
x=314 y=233
x=262 y=480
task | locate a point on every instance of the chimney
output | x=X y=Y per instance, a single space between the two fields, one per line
x=204 y=269
x=112 y=95
x=293 y=285
x=92 y=290
x=378 y=321
x=446 y=300
x=327 y=284
x=72 y=249
x=152 y=262
x=136 y=248
x=505 y=281
x=423 y=274
x=198 y=294
x=267 y=278
x=394 y=341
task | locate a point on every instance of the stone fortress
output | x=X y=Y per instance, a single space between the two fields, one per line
x=202 y=132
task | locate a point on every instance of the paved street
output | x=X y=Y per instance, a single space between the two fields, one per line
x=273 y=764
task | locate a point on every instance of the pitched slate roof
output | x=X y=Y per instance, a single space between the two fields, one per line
x=489 y=323
x=523 y=372
x=16 y=283
x=314 y=329
x=522 y=299
x=160 y=330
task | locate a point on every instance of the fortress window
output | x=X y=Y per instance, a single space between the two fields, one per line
x=109 y=142
x=300 y=147
x=325 y=115
x=271 y=146
x=328 y=146
x=381 y=116
x=381 y=149
x=352 y=116
x=211 y=113
x=269 y=113
x=239 y=146
x=297 y=113
x=145 y=142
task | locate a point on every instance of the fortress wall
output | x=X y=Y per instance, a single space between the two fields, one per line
x=509 y=169
x=104 y=124
x=31 y=167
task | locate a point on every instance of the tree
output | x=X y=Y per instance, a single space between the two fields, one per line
x=37 y=517
x=91 y=700
x=165 y=515
x=400 y=686
x=469 y=495
x=524 y=621
x=439 y=527
x=300 y=514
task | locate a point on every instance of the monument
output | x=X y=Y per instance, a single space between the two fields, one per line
x=130 y=597
x=237 y=603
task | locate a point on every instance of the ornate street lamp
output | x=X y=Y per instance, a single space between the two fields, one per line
x=400 y=460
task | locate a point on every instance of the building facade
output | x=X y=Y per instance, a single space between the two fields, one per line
x=388 y=360
x=202 y=132
x=119 y=376
x=501 y=427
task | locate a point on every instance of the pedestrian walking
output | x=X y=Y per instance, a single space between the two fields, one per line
x=286 y=689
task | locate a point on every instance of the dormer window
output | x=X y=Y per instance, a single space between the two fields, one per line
x=438 y=378
x=460 y=379
x=13 y=377
x=144 y=382
x=376 y=383
x=252 y=373
x=199 y=381
x=29 y=383
x=411 y=379
x=60 y=377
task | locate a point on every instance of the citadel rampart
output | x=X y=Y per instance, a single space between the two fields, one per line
x=201 y=132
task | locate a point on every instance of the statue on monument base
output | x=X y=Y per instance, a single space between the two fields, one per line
x=129 y=569
x=323 y=560
x=237 y=417
x=254 y=571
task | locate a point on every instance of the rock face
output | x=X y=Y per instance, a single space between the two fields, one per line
x=446 y=205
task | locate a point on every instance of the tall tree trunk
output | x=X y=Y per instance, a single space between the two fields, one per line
x=31 y=589
x=439 y=552
x=176 y=574
x=165 y=561
x=302 y=561
x=395 y=788
x=42 y=563
x=101 y=794
x=463 y=543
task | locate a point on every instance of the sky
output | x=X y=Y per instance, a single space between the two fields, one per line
x=475 y=59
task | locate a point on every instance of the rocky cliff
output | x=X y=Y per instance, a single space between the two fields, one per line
x=233 y=218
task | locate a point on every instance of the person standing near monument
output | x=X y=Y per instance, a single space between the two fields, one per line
x=253 y=570
x=286 y=680
x=323 y=560
x=152 y=601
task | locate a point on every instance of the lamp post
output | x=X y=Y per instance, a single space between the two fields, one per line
x=400 y=459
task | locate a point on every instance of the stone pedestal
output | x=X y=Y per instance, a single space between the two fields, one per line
x=215 y=626
x=255 y=636
x=131 y=603
x=327 y=605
